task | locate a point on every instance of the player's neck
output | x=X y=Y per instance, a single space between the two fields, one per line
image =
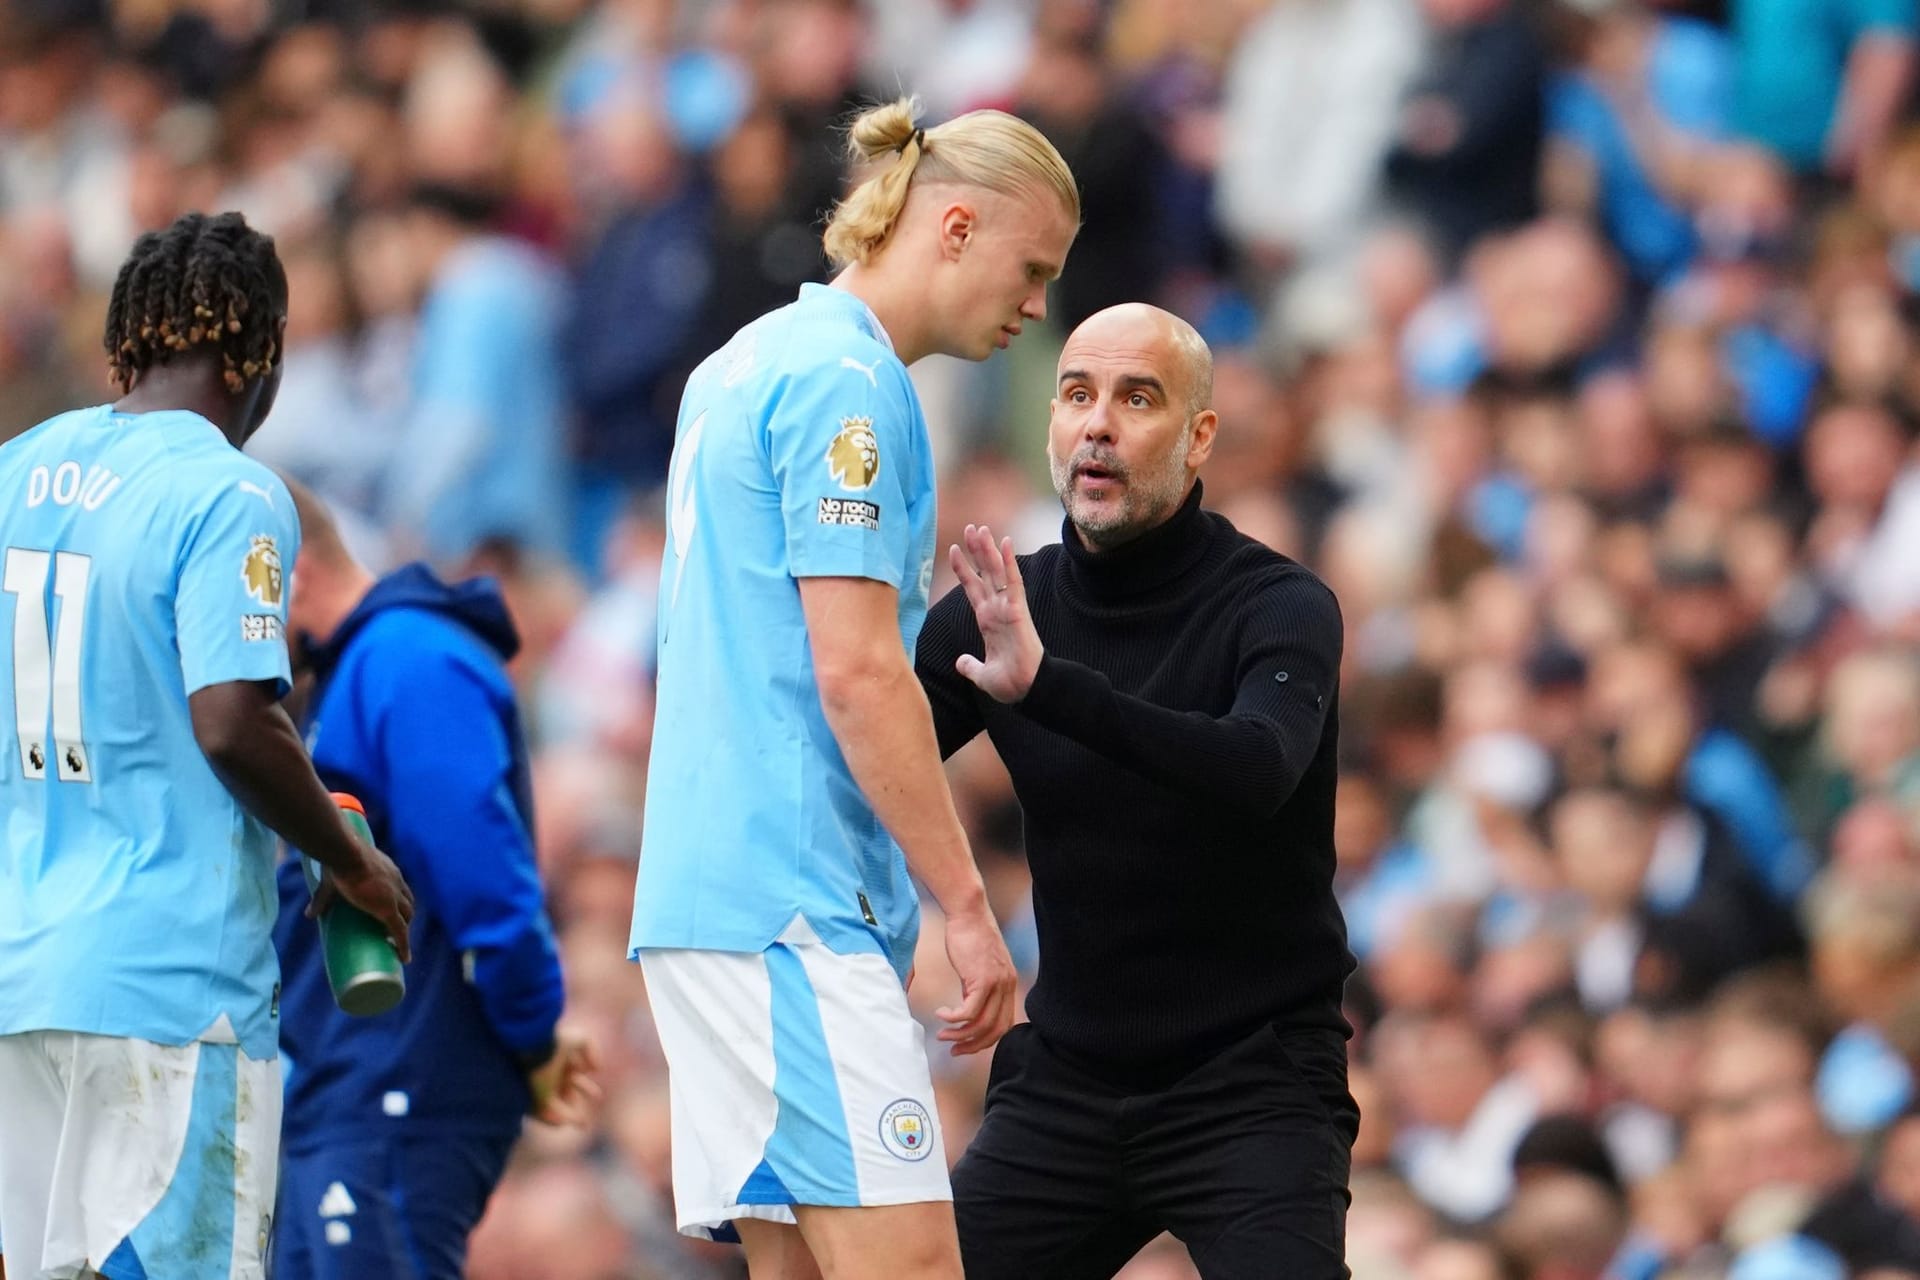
x=193 y=386
x=900 y=307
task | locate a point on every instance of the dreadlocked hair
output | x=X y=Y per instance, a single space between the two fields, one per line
x=204 y=282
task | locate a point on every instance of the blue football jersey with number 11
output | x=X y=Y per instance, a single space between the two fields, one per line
x=144 y=558
x=800 y=451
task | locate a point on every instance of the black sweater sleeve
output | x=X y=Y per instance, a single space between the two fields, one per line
x=949 y=632
x=1249 y=760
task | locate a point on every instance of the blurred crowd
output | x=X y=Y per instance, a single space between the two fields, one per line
x=1576 y=343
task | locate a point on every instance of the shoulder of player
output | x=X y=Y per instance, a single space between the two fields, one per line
x=188 y=440
x=205 y=477
x=848 y=357
x=21 y=453
x=17 y=445
x=240 y=467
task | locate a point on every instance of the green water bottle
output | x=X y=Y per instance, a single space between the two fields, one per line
x=362 y=967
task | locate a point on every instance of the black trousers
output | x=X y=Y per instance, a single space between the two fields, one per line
x=1245 y=1160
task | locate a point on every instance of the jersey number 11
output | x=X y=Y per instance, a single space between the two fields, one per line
x=46 y=666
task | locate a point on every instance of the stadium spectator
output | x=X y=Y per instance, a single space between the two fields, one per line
x=1630 y=124
x=1820 y=81
x=480 y=455
x=642 y=285
x=1466 y=153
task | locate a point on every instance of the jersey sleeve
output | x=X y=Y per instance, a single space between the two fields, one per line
x=233 y=572
x=842 y=440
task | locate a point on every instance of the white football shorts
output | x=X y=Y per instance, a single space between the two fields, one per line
x=140 y=1161
x=798 y=1077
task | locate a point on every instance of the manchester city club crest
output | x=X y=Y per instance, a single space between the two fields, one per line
x=907 y=1130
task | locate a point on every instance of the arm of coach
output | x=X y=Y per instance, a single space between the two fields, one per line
x=1250 y=759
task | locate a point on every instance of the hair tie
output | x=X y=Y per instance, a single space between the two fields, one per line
x=917 y=139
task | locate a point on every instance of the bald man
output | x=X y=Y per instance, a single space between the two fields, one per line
x=1162 y=690
x=397 y=1127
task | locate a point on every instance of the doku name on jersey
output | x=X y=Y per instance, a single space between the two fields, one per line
x=65 y=485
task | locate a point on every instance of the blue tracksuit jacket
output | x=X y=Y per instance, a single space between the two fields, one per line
x=413 y=713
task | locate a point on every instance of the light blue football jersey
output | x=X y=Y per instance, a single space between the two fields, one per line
x=800 y=451
x=145 y=558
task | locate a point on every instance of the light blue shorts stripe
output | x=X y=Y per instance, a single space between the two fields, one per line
x=809 y=1155
x=799 y=1077
x=145 y=1161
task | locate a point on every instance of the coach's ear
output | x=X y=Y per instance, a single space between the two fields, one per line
x=1200 y=447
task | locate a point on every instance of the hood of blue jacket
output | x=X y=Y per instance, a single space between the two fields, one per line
x=476 y=604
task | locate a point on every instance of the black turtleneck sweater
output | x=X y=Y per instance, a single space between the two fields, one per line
x=1174 y=762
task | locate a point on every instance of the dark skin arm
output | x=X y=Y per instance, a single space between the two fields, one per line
x=255 y=749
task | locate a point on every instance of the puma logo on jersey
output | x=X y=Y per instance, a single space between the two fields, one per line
x=848 y=362
x=265 y=495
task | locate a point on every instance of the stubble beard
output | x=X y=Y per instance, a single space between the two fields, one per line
x=1145 y=497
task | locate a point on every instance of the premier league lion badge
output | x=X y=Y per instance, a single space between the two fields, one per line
x=261 y=571
x=853 y=459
